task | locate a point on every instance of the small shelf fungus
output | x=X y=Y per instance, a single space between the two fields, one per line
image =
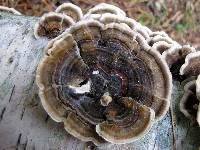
x=9 y=10
x=172 y=52
x=70 y=10
x=184 y=64
x=189 y=104
x=102 y=78
x=52 y=24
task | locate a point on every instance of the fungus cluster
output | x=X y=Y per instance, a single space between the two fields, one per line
x=189 y=104
x=106 y=76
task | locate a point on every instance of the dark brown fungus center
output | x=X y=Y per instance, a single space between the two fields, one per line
x=106 y=67
x=102 y=80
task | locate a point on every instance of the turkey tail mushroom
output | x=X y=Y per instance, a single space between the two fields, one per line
x=110 y=18
x=121 y=128
x=177 y=54
x=171 y=51
x=189 y=104
x=52 y=24
x=161 y=42
x=103 y=80
x=189 y=100
x=71 y=10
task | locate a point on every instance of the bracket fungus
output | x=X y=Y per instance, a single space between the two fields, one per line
x=71 y=10
x=52 y=24
x=189 y=104
x=101 y=77
x=184 y=63
x=172 y=52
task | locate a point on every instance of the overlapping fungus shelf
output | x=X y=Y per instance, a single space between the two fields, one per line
x=100 y=76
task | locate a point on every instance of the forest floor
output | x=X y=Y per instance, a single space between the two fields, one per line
x=179 y=18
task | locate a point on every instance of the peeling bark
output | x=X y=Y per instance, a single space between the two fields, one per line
x=25 y=125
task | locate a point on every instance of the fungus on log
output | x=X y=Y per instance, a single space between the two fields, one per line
x=52 y=24
x=189 y=104
x=129 y=123
x=71 y=10
x=172 y=52
x=102 y=79
x=191 y=67
x=177 y=54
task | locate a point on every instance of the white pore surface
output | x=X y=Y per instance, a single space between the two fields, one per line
x=82 y=89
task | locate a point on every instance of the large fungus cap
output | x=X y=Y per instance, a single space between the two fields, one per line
x=52 y=24
x=9 y=10
x=103 y=80
x=71 y=10
x=92 y=75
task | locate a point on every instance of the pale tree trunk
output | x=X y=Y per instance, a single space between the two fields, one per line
x=25 y=125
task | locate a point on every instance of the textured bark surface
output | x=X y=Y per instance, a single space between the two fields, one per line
x=25 y=125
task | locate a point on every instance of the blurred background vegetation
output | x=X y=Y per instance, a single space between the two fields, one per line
x=179 y=18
